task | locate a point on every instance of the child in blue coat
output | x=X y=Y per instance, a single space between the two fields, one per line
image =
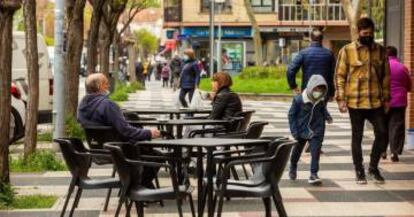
x=307 y=117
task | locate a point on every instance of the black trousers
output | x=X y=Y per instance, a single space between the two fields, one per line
x=377 y=118
x=396 y=129
x=183 y=93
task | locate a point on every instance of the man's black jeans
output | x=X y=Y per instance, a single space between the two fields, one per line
x=377 y=118
x=183 y=93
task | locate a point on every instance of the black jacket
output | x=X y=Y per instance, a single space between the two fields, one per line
x=226 y=104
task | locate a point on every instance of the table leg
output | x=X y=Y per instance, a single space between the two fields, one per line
x=179 y=131
x=200 y=174
x=178 y=153
x=210 y=189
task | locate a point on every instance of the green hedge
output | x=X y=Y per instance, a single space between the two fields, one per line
x=258 y=79
x=261 y=72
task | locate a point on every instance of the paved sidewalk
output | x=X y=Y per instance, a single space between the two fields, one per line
x=338 y=196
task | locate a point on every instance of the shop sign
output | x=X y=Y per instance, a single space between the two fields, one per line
x=227 y=32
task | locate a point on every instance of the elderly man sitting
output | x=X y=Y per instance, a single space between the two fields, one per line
x=97 y=109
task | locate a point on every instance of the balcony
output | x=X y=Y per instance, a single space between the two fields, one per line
x=172 y=14
x=311 y=12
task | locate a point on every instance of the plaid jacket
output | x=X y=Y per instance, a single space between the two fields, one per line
x=362 y=77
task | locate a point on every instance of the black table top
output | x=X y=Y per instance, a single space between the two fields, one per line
x=180 y=122
x=204 y=142
x=168 y=111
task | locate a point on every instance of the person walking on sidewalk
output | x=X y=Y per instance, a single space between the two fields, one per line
x=176 y=66
x=307 y=117
x=165 y=74
x=313 y=60
x=363 y=88
x=190 y=77
x=400 y=86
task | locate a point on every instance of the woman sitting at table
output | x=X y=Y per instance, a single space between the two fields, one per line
x=226 y=104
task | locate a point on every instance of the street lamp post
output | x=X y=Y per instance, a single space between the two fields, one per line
x=58 y=87
x=220 y=4
x=211 y=21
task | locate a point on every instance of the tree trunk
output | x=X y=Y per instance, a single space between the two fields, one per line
x=7 y=9
x=132 y=55
x=257 y=39
x=32 y=61
x=92 y=53
x=73 y=57
x=104 y=47
x=353 y=10
x=116 y=44
x=270 y=54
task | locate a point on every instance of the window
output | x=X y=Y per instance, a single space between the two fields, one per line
x=262 y=6
x=225 y=7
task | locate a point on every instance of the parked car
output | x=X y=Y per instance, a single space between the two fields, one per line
x=17 y=116
x=19 y=74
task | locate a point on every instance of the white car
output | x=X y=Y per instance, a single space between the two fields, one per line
x=19 y=74
x=17 y=116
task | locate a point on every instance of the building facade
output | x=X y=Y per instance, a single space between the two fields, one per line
x=284 y=26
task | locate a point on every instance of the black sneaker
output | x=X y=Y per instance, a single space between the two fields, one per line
x=375 y=174
x=292 y=174
x=361 y=179
x=314 y=180
x=394 y=158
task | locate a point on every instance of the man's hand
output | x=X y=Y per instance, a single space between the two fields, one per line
x=155 y=133
x=329 y=120
x=342 y=106
x=386 y=107
x=297 y=91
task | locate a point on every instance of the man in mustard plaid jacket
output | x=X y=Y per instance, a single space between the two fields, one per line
x=363 y=88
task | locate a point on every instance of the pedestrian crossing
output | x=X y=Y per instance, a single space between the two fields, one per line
x=339 y=195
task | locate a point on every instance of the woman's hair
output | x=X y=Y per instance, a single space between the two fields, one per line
x=392 y=51
x=223 y=79
x=190 y=53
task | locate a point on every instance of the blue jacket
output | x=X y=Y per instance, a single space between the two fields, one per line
x=307 y=116
x=313 y=60
x=190 y=75
x=97 y=109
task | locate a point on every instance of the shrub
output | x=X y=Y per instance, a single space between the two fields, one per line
x=37 y=162
x=46 y=136
x=122 y=89
x=136 y=86
x=7 y=195
x=73 y=128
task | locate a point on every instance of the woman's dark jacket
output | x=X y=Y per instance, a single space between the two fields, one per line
x=226 y=104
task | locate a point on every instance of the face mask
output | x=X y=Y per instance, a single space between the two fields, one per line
x=316 y=94
x=186 y=57
x=366 y=40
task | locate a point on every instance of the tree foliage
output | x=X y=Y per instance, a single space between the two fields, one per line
x=145 y=42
